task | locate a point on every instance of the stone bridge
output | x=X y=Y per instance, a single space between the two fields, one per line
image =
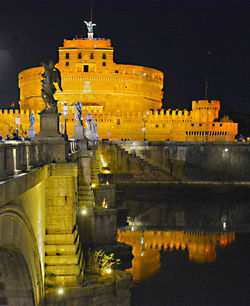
x=46 y=187
x=39 y=241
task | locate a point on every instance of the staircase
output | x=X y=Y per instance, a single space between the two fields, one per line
x=145 y=164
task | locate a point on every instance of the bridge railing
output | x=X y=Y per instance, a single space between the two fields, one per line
x=21 y=156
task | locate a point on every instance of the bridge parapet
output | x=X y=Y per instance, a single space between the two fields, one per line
x=21 y=156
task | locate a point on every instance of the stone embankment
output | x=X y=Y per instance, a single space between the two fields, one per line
x=178 y=161
x=97 y=290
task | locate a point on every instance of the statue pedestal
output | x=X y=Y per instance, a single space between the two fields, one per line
x=79 y=132
x=31 y=133
x=89 y=134
x=49 y=125
x=53 y=144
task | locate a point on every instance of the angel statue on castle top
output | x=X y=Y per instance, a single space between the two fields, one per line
x=90 y=26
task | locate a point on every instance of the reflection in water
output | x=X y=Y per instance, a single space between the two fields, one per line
x=201 y=247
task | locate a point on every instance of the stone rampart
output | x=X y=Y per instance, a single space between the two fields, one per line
x=194 y=161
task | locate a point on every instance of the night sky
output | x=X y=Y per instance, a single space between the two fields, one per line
x=184 y=39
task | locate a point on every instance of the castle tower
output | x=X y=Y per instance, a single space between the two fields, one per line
x=205 y=110
x=89 y=75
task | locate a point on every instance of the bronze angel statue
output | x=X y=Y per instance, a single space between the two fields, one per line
x=50 y=76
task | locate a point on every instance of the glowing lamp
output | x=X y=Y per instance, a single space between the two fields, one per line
x=60 y=291
x=108 y=270
x=93 y=185
x=224 y=225
x=84 y=211
x=65 y=109
x=226 y=149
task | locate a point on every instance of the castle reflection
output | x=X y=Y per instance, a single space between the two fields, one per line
x=200 y=247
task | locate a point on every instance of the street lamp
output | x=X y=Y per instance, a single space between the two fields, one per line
x=144 y=127
x=17 y=121
x=65 y=113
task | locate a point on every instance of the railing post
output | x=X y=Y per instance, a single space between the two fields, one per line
x=14 y=156
x=27 y=154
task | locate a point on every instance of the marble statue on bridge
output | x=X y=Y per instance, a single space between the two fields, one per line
x=31 y=131
x=50 y=76
x=79 y=130
x=91 y=130
x=78 y=112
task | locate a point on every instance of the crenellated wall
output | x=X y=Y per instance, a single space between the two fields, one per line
x=199 y=124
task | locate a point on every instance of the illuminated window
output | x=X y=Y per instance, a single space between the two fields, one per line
x=67 y=63
x=91 y=55
x=67 y=55
x=86 y=68
x=104 y=55
x=104 y=63
x=79 y=55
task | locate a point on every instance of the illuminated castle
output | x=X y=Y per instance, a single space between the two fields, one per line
x=146 y=245
x=125 y=100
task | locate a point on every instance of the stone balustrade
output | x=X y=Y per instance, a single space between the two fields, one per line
x=21 y=156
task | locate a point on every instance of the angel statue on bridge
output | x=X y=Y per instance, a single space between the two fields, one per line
x=50 y=76
x=78 y=112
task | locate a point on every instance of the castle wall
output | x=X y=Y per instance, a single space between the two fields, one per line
x=160 y=125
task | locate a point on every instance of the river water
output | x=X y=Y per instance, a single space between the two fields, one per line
x=188 y=251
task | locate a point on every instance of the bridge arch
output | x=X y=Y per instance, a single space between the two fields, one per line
x=20 y=255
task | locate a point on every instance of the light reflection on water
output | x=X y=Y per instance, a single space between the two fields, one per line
x=201 y=247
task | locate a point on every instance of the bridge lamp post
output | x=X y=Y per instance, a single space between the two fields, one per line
x=60 y=291
x=84 y=211
x=144 y=128
x=17 y=122
x=144 y=121
x=65 y=113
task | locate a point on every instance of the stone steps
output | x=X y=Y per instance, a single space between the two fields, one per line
x=63 y=259
x=144 y=164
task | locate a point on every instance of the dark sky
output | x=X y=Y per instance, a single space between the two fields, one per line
x=172 y=36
